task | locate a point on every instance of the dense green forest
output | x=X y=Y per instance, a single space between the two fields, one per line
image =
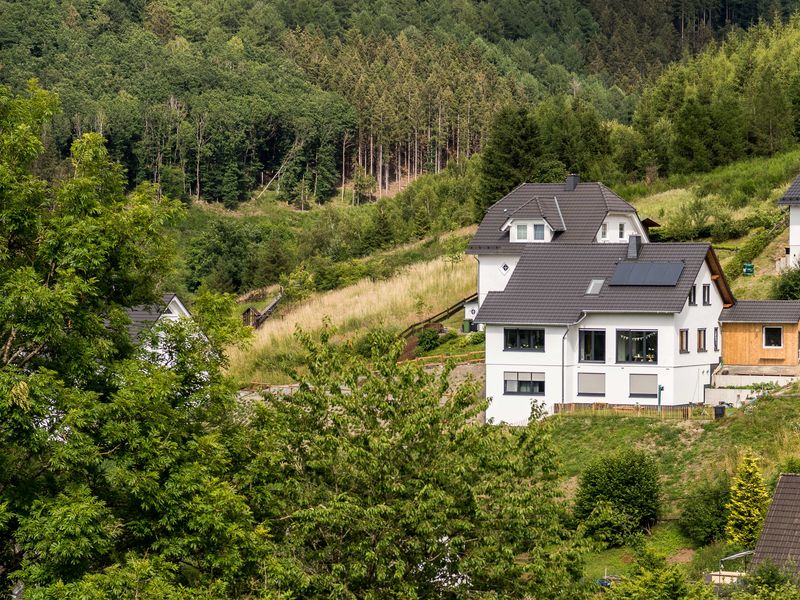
x=214 y=99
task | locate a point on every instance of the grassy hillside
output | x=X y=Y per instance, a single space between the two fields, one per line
x=687 y=453
x=414 y=293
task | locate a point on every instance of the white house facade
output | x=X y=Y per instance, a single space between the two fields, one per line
x=582 y=318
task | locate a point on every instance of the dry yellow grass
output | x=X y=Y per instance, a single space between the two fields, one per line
x=415 y=292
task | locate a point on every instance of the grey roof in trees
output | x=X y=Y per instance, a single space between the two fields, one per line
x=792 y=195
x=574 y=215
x=762 y=311
x=779 y=541
x=144 y=316
x=550 y=283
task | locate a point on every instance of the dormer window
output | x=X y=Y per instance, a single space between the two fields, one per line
x=622 y=231
x=604 y=231
x=538 y=232
x=522 y=232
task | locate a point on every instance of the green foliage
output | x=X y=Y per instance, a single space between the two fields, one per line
x=217 y=316
x=609 y=525
x=660 y=583
x=428 y=340
x=704 y=511
x=754 y=246
x=748 y=503
x=628 y=482
x=787 y=285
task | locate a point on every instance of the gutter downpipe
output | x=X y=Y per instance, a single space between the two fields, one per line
x=563 y=366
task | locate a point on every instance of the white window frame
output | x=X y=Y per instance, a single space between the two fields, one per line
x=604 y=231
x=538 y=227
x=524 y=229
x=622 y=231
x=764 y=337
x=706 y=294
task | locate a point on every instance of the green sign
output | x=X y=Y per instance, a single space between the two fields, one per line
x=748 y=269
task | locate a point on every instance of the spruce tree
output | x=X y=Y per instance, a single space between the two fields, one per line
x=748 y=504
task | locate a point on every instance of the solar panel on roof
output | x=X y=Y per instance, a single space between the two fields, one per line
x=647 y=273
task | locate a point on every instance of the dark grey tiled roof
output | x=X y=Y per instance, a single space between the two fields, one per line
x=792 y=195
x=541 y=208
x=779 y=541
x=581 y=212
x=144 y=316
x=550 y=282
x=762 y=311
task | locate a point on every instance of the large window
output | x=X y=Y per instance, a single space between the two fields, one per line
x=684 y=333
x=701 y=340
x=531 y=340
x=773 y=337
x=637 y=346
x=643 y=386
x=524 y=384
x=591 y=384
x=538 y=232
x=592 y=345
x=522 y=232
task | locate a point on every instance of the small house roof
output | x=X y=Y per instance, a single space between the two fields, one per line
x=779 y=541
x=551 y=281
x=762 y=311
x=792 y=195
x=145 y=316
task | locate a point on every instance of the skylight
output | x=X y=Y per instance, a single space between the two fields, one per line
x=595 y=286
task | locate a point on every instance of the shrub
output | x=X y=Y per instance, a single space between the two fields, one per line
x=787 y=286
x=609 y=525
x=628 y=481
x=704 y=514
x=478 y=337
x=428 y=340
x=747 y=252
x=748 y=503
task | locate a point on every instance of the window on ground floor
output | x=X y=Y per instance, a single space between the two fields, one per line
x=592 y=343
x=591 y=384
x=637 y=346
x=524 y=339
x=527 y=384
x=643 y=386
x=716 y=339
x=773 y=337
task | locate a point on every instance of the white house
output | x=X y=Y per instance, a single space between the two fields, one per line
x=579 y=307
x=792 y=199
x=143 y=317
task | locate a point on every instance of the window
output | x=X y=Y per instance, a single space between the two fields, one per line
x=773 y=337
x=531 y=340
x=522 y=232
x=637 y=346
x=643 y=386
x=693 y=296
x=591 y=384
x=706 y=294
x=701 y=340
x=621 y=230
x=538 y=232
x=595 y=285
x=592 y=345
x=527 y=384
x=604 y=231
x=684 y=341
x=716 y=339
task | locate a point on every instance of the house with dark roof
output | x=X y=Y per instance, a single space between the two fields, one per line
x=145 y=316
x=761 y=333
x=792 y=199
x=579 y=307
x=779 y=540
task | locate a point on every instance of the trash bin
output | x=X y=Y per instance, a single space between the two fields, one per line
x=719 y=411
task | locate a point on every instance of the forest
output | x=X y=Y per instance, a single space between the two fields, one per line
x=215 y=99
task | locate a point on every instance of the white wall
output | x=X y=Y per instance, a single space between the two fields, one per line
x=794 y=234
x=548 y=232
x=613 y=220
x=491 y=277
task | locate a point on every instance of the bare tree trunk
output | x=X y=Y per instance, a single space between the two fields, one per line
x=344 y=145
x=200 y=140
x=380 y=169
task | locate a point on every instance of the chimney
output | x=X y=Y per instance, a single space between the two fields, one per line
x=634 y=245
x=572 y=182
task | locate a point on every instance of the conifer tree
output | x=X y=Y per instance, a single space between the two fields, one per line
x=748 y=504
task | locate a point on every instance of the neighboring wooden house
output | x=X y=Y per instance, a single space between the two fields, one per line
x=779 y=541
x=761 y=333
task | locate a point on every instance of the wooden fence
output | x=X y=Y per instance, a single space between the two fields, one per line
x=697 y=412
x=460 y=359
